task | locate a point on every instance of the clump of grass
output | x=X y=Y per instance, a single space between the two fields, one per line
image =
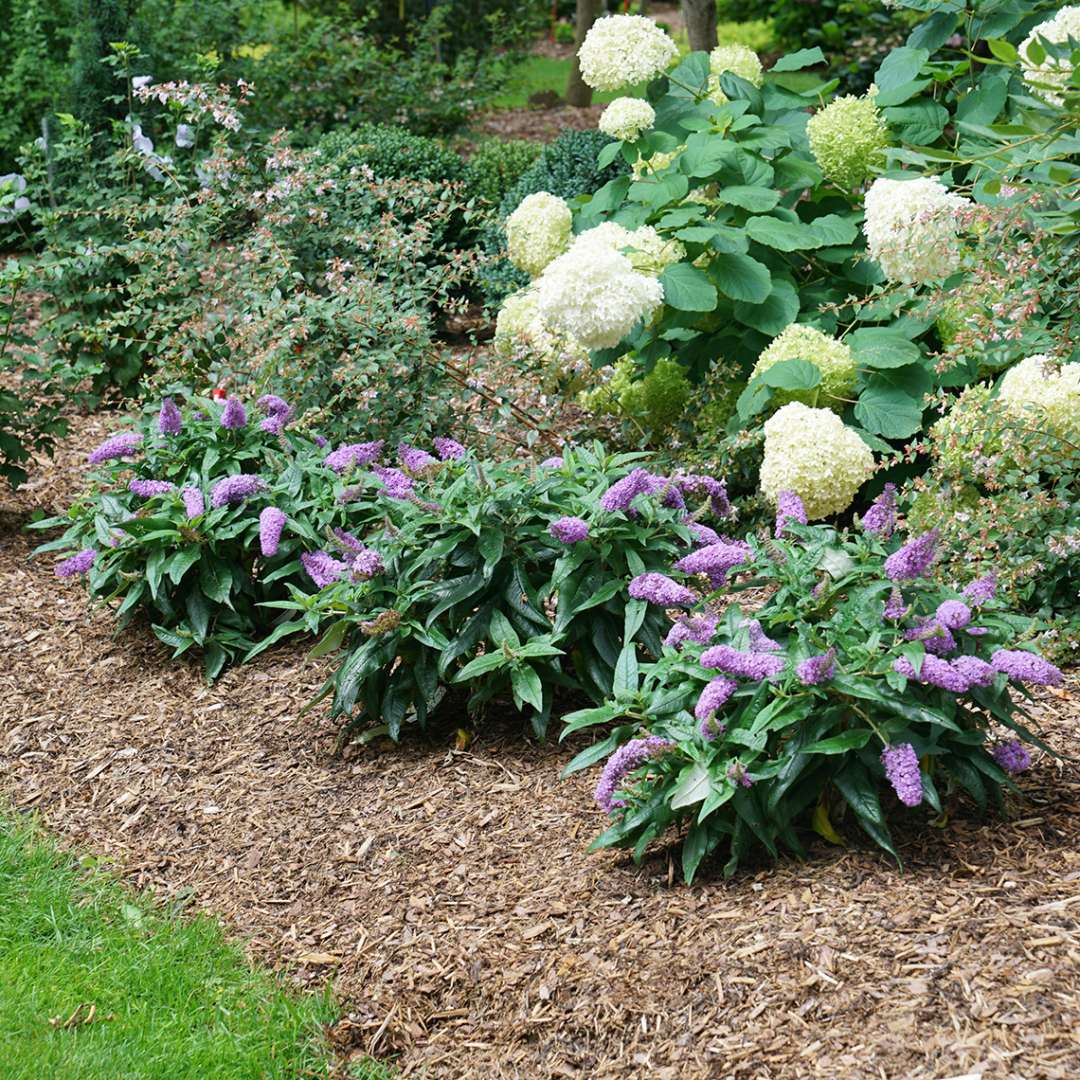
x=100 y=984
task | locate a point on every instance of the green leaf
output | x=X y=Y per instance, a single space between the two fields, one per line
x=500 y=630
x=633 y=617
x=608 y=154
x=984 y=104
x=792 y=375
x=796 y=61
x=198 y=614
x=181 y=562
x=686 y=288
x=695 y=847
x=886 y=411
x=832 y=230
x=481 y=665
x=781 y=235
x=584 y=718
x=692 y=788
x=902 y=65
x=854 y=739
x=331 y=640
x=1004 y=51
x=779 y=311
x=526 y=685
x=861 y=795
x=625 y=682
x=878 y=347
x=741 y=277
x=753 y=399
x=758 y=200
x=921 y=123
x=704 y=155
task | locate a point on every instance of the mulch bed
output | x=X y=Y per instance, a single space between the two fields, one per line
x=448 y=895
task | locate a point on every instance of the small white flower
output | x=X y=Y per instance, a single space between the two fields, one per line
x=621 y=50
x=185 y=136
x=139 y=81
x=626 y=118
x=537 y=231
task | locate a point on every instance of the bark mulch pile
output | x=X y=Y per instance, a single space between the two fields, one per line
x=448 y=896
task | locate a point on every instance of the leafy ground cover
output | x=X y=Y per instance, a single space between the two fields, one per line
x=98 y=982
x=408 y=876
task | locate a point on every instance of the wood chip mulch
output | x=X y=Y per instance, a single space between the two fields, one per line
x=448 y=896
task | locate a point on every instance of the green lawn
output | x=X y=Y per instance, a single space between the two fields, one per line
x=98 y=984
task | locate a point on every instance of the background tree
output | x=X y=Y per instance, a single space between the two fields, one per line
x=700 y=19
x=578 y=92
x=98 y=22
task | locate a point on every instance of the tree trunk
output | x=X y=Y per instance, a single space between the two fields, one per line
x=700 y=19
x=578 y=92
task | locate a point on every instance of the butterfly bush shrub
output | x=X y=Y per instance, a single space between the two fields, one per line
x=858 y=681
x=456 y=577
x=194 y=518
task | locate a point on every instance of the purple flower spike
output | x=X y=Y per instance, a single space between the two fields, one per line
x=933 y=672
x=125 y=445
x=817 y=669
x=954 y=614
x=702 y=534
x=746 y=665
x=902 y=771
x=895 y=608
x=569 y=530
x=365 y=564
x=147 y=489
x=416 y=462
x=981 y=591
x=628 y=757
x=738 y=775
x=788 y=506
x=698 y=628
x=396 y=485
x=696 y=486
x=660 y=589
x=233 y=490
x=759 y=640
x=278 y=413
x=623 y=492
x=194 y=505
x=169 y=419
x=1012 y=756
x=322 y=568
x=1026 y=667
x=348 y=541
x=271 y=523
x=977 y=672
x=552 y=463
x=937 y=638
x=714 y=697
x=715 y=560
x=77 y=564
x=353 y=456
x=450 y=449
x=234 y=415
x=320 y=441
x=913 y=559
x=880 y=519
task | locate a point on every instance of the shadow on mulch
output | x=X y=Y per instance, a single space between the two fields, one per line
x=448 y=895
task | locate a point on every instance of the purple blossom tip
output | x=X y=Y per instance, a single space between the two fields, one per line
x=1012 y=756
x=981 y=590
x=396 y=485
x=552 y=463
x=124 y=445
x=933 y=672
x=232 y=490
x=902 y=771
x=448 y=449
x=880 y=519
x=660 y=589
x=746 y=665
x=954 y=614
x=714 y=697
x=322 y=567
x=170 y=421
x=1025 y=667
x=628 y=757
x=77 y=564
x=623 y=492
x=353 y=456
x=416 y=462
x=194 y=505
x=365 y=563
x=234 y=415
x=737 y=774
x=569 y=530
x=702 y=534
x=913 y=559
x=789 y=507
x=147 y=489
x=715 y=560
x=271 y=523
x=817 y=669
x=697 y=628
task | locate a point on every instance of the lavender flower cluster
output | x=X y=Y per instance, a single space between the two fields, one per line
x=626 y=759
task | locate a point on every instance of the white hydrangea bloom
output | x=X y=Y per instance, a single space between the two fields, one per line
x=1045 y=392
x=647 y=250
x=621 y=50
x=833 y=359
x=519 y=325
x=537 y=231
x=911 y=228
x=739 y=60
x=1052 y=71
x=626 y=118
x=594 y=295
x=848 y=138
x=812 y=453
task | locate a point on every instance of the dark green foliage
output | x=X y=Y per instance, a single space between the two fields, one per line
x=98 y=23
x=392 y=153
x=497 y=165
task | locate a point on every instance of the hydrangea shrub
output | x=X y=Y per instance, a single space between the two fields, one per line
x=859 y=682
